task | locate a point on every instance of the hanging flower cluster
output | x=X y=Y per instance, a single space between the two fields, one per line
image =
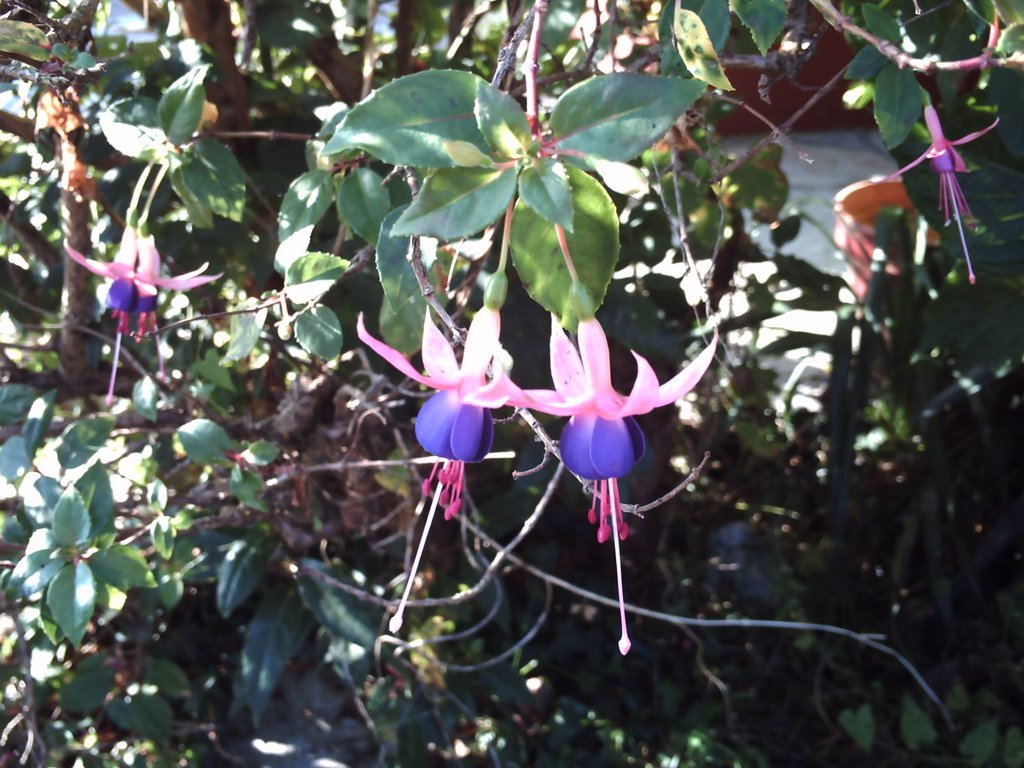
x=600 y=443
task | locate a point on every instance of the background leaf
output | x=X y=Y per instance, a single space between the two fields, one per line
x=71 y=598
x=898 y=103
x=319 y=332
x=456 y=202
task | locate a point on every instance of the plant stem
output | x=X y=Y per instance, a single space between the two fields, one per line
x=566 y=255
x=532 y=66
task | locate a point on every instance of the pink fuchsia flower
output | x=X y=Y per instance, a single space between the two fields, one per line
x=602 y=440
x=455 y=424
x=947 y=163
x=135 y=276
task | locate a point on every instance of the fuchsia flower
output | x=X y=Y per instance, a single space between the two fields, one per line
x=455 y=424
x=947 y=163
x=602 y=440
x=135 y=273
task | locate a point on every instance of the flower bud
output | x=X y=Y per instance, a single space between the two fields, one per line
x=496 y=291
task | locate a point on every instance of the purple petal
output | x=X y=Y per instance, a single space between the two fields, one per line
x=123 y=296
x=612 y=448
x=453 y=430
x=574 y=446
x=636 y=435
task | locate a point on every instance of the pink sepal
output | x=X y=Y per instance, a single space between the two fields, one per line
x=182 y=282
x=112 y=270
x=566 y=366
x=482 y=342
x=687 y=379
x=394 y=357
x=438 y=357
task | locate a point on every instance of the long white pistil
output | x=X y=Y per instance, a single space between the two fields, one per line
x=624 y=644
x=113 y=368
x=959 y=224
x=396 y=621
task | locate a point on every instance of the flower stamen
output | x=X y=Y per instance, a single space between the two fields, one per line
x=624 y=643
x=395 y=623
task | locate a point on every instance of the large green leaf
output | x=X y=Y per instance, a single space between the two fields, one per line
x=341 y=613
x=501 y=121
x=147 y=714
x=122 y=567
x=764 y=19
x=132 y=126
x=306 y=201
x=309 y=277
x=213 y=175
x=40 y=414
x=15 y=400
x=319 y=332
x=204 y=441
x=393 y=267
x=71 y=523
x=618 y=116
x=363 y=202
x=242 y=569
x=81 y=441
x=545 y=187
x=23 y=39
x=39 y=564
x=181 y=107
x=898 y=103
x=71 y=598
x=456 y=202
x=94 y=485
x=696 y=49
x=245 y=330
x=275 y=633
x=593 y=243
x=408 y=121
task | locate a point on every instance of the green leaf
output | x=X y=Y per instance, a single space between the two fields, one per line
x=71 y=598
x=343 y=615
x=39 y=417
x=311 y=276
x=318 y=332
x=408 y=121
x=248 y=488
x=980 y=743
x=401 y=326
x=169 y=678
x=594 y=244
x=304 y=204
x=181 y=107
x=393 y=267
x=71 y=523
x=91 y=680
x=860 y=725
x=502 y=121
x=199 y=213
x=866 y=64
x=1013 y=748
x=145 y=396
x=618 y=116
x=132 y=127
x=696 y=50
x=40 y=563
x=122 y=567
x=623 y=178
x=456 y=202
x=211 y=369
x=204 y=441
x=82 y=440
x=171 y=588
x=23 y=39
x=1010 y=11
x=275 y=634
x=1011 y=41
x=94 y=486
x=881 y=22
x=147 y=714
x=916 y=727
x=241 y=570
x=261 y=453
x=245 y=332
x=764 y=19
x=15 y=400
x=162 y=535
x=14 y=458
x=214 y=177
x=898 y=103
x=363 y=202
x=545 y=187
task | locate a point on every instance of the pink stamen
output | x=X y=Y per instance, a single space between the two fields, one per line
x=613 y=488
x=395 y=623
x=429 y=482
